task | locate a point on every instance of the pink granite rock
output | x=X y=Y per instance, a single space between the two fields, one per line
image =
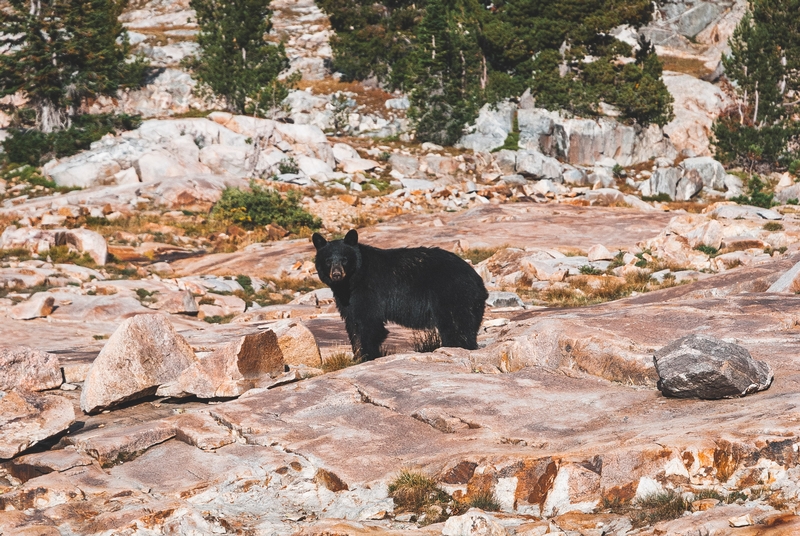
x=144 y=352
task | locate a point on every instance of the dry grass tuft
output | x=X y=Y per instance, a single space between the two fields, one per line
x=427 y=341
x=338 y=361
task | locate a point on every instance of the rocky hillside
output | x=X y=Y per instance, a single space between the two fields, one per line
x=167 y=370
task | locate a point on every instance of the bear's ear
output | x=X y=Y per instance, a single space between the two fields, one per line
x=318 y=240
x=351 y=238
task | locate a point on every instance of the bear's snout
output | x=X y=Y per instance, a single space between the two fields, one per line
x=337 y=273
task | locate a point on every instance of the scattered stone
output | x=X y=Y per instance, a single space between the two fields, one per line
x=27 y=418
x=703 y=367
x=28 y=369
x=734 y=212
x=142 y=354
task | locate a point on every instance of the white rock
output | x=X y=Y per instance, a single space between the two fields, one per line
x=599 y=252
x=342 y=151
x=474 y=523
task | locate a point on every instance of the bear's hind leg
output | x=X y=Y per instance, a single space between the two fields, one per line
x=458 y=331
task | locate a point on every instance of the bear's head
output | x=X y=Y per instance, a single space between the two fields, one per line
x=337 y=260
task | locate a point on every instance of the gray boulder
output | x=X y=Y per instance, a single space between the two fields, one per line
x=711 y=172
x=663 y=181
x=699 y=366
x=491 y=128
x=504 y=299
x=535 y=164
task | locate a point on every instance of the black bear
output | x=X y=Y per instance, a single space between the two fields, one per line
x=419 y=288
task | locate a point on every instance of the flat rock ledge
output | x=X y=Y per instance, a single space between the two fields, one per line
x=699 y=366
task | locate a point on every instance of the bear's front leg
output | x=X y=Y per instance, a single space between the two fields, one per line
x=366 y=337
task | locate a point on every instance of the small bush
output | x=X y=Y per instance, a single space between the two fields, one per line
x=413 y=492
x=476 y=255
x=20 y=254
x=64 y=255
x=711 y=251
x=426 y=341
x=339 y=361
x=219 y=319
x=486 y=501
x=660 y=198
x=590 y=270
x=792 y=201
x=772 y=226
x=659 y=507
x=288 y=165
x=758 y=197
x=259 y=207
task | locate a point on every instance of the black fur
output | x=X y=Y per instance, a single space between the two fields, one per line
x=419 y=288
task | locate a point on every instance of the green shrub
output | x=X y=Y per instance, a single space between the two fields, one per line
x=772 y=226
x=792 y=201
x=259 y=207
x=660 y=198
x=758 y=197
x=33 y=147
x=590 y=270
x=711 y=251
x=288 y=165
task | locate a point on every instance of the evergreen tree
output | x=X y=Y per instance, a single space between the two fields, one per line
x=236 y=61
x=449 y=75
x=765 y=67
x=61 y=52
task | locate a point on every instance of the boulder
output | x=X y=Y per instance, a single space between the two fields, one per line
x=342 y=151
x=298 y=345
x=662 y=181
x=305 y=134
x=710 y=171
x=142 y=354
x=699 y=366
x=313 y=166
x=492 y=126
x=535 y=164
x=158 y=164
x=695 y=20
x=506 y=161
x=404 y=164
x=85 y=241
x=85 y=171
x=734 y=212
x=231 y=370
x=27 y=418
x=37 y=306
x=418 y=184
x=28 y=369
x=535 y=128
x=441 y=165
x=181 y=302
x=357 y=164
x=226 y=160
x=474 y=523
x=599 y=252
x=504 y=299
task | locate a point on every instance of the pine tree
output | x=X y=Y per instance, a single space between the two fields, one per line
x=236 y=60
x=765 y=68
x=449 y=76
x=61 y=52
